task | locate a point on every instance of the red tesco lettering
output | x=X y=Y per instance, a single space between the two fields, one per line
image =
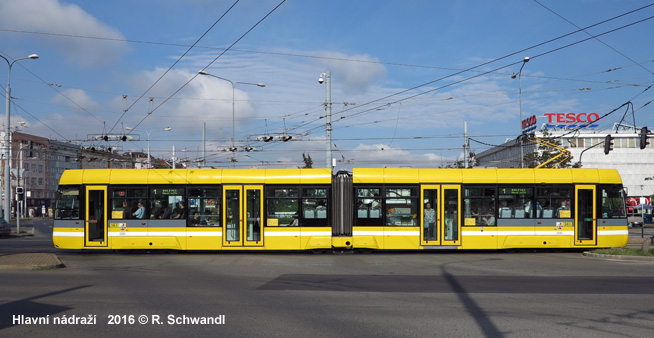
x=572 y=117
x=528 y=122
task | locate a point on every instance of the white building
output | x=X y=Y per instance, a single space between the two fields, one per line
x=587 y=146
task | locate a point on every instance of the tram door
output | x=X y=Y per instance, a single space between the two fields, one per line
x=95 y=219
x=242 y=210
x=440 y=211
x=585 y=221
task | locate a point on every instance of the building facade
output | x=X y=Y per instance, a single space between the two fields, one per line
x=29 y=169
x=586 y=146
x=38 y=163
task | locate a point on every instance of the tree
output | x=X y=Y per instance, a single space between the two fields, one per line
x=473 y=161
x=544 y=153
x=308 y=162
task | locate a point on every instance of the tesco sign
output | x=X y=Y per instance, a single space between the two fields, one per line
x=529 y=122
x=572 y=117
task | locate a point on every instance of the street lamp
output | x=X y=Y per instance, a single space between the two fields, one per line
x=202 y=72
x=519 y=75
x=7 y=204
x=148 y=133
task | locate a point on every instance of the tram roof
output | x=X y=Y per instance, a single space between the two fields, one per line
x=324 y=176
x=485 y=176
x=196 y=176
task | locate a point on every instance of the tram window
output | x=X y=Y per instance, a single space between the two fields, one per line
x=204 y=206
x=401 y=206
x=554 y=201
x=163 y=201
x=479 y=206
x=369 y=206
x=516 y=202
x=613 y=201
x=314 y=207
x=67 y=203
x=369 y=203
x=125 y=202
x=118 y=204
x=282 y=206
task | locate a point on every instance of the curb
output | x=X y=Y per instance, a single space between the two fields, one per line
x=619 y=257
x=30 y=261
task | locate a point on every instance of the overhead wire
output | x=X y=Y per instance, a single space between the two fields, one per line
x=602 y=42
x=212 y=62
x=501 y=58
x=645 y=6
x=172 y=66
x=489 y=71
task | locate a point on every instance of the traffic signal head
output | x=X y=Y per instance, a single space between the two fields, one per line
x=608 y=144
x=20 y=193
x=643 y=137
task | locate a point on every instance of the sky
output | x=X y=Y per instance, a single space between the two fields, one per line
x=405 y=75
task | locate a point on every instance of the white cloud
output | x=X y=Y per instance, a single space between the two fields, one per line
x=75 y=99
x=380 y=154
x=205 y=99
x=354 y=77
x=52 y=16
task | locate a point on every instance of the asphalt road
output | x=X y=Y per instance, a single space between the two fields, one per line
x=479 y=294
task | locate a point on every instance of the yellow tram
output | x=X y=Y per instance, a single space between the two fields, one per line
x=313 y=209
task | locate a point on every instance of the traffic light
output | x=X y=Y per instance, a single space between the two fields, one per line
x=608 y=144
x=643 y=137
x=20 y=191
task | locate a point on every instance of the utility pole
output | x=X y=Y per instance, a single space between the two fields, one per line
x=204 y=144
x=327 y=78
x=466 y=145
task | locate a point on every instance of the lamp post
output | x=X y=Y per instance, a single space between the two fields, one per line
x=519 y=75
x=7 y=204
x=233 y=147
x=326 y=77
x=148 y=133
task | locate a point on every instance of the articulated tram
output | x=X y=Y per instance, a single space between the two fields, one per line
x=313 y=209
